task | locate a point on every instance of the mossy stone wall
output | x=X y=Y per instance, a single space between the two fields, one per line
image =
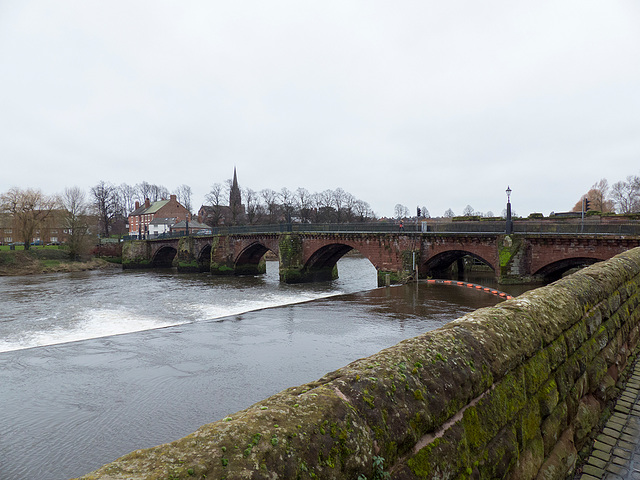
x=136 y=254
x=512 y=391
x=185 y=260
x=222 y=262
x=291 y=266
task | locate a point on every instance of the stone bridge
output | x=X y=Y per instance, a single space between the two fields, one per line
x=397 y=257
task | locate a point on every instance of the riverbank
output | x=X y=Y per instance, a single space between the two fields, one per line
x=37 y=261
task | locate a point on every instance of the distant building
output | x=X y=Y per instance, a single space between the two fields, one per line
x=52 y=230
x=235 y=198
x=159 y=226
x=140 y=219
x=7 y=229
x=195 y=227
x=232 y=214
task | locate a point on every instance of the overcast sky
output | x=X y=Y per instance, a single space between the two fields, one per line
x=441 y=104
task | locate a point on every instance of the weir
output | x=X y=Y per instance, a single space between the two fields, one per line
x=512 y=391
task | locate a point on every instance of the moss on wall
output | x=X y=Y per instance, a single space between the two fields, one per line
x=136 y=254
x=221 y=257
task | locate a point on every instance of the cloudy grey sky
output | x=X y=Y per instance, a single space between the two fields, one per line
x=432 y=103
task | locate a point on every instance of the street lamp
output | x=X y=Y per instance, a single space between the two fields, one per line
x=509 y=226
x=186 y=224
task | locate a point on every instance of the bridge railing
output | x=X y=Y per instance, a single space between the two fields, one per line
x=578 y=229
x=489 y=227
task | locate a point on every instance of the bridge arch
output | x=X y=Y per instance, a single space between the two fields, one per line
x=250 y=261
x=204 y=258
x=555 y=270
x=440 y=264
x=322 y=263
x=163 y=258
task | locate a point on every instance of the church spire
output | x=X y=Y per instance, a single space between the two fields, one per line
x=235 y=199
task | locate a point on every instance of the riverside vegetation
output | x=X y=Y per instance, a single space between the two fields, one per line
x=46 y=259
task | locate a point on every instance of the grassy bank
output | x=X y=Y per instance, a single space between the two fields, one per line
x=44 y=260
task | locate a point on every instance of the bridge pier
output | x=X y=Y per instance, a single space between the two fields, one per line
x=410 y=260
x=186 y=260
x=512 y=255
x=136 y=254
x=222 y=262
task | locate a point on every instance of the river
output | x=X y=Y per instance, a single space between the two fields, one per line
x=95 y=365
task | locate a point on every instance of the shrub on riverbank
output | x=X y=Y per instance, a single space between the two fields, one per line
x=45 y=260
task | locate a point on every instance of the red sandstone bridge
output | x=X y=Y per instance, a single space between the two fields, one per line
x=310 y=252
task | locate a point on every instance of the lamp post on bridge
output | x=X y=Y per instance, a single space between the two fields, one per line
x=509 y=226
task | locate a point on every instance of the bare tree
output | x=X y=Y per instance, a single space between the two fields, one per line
x=106 y=204
x=159 y=192
x=305 y=204
x=598 y=196
x=626 y=194
x=348 y=207
x=326 y=212
x=339 y=198
x=468 y=211
x=183 y=195
x=76 y=221
x=270 y=199
x=449 y=213
x=254 y=209
x=151 y=191
x=425 y=212
x=29 y=208
x=144 y=191
x=128 y=196
x=400 y=211
x=214 y=199
x=288 y=203
x=362 y=211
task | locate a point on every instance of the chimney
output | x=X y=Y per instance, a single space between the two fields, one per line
x=147 y=202
x=137 y=204
x=173 y=198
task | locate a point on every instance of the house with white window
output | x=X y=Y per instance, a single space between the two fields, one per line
x=159 y=226
x=140 y=219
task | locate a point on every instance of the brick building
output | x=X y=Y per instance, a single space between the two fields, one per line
x=51 y=230
x=143 y=215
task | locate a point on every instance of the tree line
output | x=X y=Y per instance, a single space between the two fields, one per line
x=621 y=197
x=268 y=206
x=78 y=212
x=106 y=205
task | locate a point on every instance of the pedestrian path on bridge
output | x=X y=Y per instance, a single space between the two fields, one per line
x=616 y=450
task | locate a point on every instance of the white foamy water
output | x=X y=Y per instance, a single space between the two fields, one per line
x=212 y=311
x=47 y=310
x=96 y=323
